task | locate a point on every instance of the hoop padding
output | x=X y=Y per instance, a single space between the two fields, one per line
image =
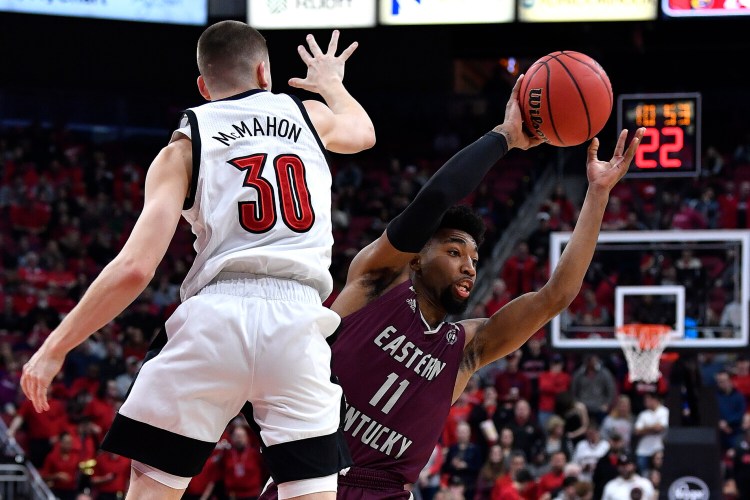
x=643 y=345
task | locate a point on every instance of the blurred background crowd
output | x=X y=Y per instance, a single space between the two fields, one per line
x=539 y=424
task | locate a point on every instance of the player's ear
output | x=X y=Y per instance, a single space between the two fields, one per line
x=263 y=75
x=203 y=89
x=415 y=264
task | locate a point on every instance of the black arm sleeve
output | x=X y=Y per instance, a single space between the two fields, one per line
x=455 y=180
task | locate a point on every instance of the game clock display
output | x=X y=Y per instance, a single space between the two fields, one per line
x=671 y=145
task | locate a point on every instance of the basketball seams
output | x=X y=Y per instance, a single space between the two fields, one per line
x=591 y=63
x=579 y=90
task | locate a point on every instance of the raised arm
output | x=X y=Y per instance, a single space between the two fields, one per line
x=510 y=327
x=380 y=264
x=342 y=123
x=123 y=279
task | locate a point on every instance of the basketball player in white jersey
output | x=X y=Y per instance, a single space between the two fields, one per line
x=248 y=171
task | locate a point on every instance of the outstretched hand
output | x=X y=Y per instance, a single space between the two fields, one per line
x=323 y=69
x=37 y=376
x=512 y=126
x=606 y=174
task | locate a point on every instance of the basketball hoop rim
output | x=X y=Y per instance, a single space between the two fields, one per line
x=649 y=336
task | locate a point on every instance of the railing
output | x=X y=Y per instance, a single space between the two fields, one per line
x=22 y=482
x=19 y=479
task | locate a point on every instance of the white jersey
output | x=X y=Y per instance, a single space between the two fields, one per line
x=260 y=197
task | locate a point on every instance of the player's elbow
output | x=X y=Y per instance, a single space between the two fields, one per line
x=368 y=138
x=359 y=139
x=135 y=273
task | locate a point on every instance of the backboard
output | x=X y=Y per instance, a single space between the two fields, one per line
x=696 y=282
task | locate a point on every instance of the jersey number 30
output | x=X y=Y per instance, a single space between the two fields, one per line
x=296 y=210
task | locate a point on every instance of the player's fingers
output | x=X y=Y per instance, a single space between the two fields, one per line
x=40 y=397
x=349 y=51
x=333 y=43
x=630 y=153
x=593 y=150
x=296 y=82
x=314 y=48
x=620 y=147
x=517 y=86
x=25 y=385
x=30 y=389
x=304 y=54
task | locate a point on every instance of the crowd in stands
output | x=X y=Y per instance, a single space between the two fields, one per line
x=535 y=425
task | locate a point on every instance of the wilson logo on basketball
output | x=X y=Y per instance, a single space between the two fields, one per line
x=535 y=103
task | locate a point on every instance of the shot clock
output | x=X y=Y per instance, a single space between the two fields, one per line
x=671 y=146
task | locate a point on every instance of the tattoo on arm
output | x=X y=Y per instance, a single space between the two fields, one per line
x=475 y=349
x=472 y=355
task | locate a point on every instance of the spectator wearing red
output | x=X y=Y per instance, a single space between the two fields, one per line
x=553 y=479
x=59 y=276
x=88 y=383
x=459 y=412
x=86 y=438
x=135 y=343
x=24 y=299
x=61 y=468
x=516 y=461
x=523 y=487
x=512 y=384
x=557 y=221
x=560 y=198
x=590 y=307
x=102 y=407
x=519 y=270
x=687 y=217
x=499 y=297
x=202 y=485
x=111 y=476
x=42 y=429
x=534 y=360
x=551 y=383
x=741 y=376
x=727 y=200
x=240 y=467
x=30 y=215
x=208 y=483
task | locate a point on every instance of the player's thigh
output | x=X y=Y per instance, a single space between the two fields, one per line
x=293 y=397
x=201 y=378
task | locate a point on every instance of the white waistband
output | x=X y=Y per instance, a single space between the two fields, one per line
x=255 y=285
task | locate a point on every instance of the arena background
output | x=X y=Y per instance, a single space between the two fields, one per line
x=102 y=71
x=128 y=81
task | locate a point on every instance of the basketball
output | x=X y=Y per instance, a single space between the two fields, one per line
x=565 y=98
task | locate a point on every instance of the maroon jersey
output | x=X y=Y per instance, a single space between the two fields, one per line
x=398 y=378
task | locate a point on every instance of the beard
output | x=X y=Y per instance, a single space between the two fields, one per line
x=451 y=304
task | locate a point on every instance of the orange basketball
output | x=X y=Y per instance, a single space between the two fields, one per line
x=566 y=98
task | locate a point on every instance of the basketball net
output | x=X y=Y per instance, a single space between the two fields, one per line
x=643 y=345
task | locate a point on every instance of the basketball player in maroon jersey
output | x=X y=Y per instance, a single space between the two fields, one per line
x=400 y=364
